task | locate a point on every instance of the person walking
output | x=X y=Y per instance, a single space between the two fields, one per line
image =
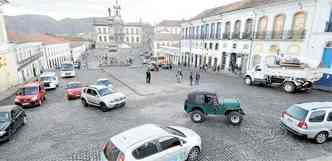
x=191 y=77
x=148 y=77
x=198 y=76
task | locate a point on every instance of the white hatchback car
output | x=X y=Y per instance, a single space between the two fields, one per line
x=312 y=120
x=50 y=80
x=153 y=143
x=102 y=97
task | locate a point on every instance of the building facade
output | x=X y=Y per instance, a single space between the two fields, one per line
x=7 y=58
x=133 y=34
x=241 y=34
x=166 y=40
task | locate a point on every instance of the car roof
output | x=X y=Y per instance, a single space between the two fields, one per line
x=98 y=87
x=73 y=82
x=315 y=105
x=138 y=134
x=7 y=108
x=102 y=79
x=46 y=74
x=201 y=92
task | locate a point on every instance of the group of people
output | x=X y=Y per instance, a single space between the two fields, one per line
x=179 y=75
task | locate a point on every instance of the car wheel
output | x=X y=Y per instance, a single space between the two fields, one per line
x=234 y=118
x=194 y=154
x=197 y=116
x=85 y=104
x=321 y=137
x=25 y=120
x=248 y=81
x=103 y=107
x=289 y=87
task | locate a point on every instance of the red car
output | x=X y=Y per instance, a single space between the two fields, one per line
x=31 y=94
x=73 y=90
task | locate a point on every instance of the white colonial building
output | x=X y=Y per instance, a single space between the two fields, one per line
x=242 y=33
x=168 y=26
x=133 y=34
x=56 y=53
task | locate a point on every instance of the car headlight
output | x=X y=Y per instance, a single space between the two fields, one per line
x=34 y=98
x=2 y=133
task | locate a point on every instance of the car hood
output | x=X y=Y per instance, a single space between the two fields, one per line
x=74 y=90
x=190 y=134
x=113 y=96
x=25 y=97
x=4 y=125
x=230 y=102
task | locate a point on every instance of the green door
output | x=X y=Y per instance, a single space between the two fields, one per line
x=211 y=103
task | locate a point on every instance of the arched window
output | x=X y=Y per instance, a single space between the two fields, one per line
x=100 y=39
x=248 y=29
x=298 y=27
x=227 y=30
x=237 y=29
x=212 y=33
x=278 y=27
x=262 y=27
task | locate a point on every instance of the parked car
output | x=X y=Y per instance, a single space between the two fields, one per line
x=50 y=80
x=31 y=94
x=73 y=90
x=102 y=97
x=11 y=119
x=153 y=67
x=311 y=120
x=77 y=65
x=153 y=143
x=166 y=66
x=105 y=82
x=199 y=104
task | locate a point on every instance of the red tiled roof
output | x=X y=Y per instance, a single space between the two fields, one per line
x=43 y=38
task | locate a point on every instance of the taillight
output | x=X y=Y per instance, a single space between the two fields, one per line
x=121 y=157
x=302 y=125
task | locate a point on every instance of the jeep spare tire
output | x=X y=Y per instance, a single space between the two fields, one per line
x=197 y=116
x=235 y=118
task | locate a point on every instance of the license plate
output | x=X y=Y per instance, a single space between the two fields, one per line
x=24 y=104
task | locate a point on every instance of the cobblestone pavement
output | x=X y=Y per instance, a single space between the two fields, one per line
x=62 y=130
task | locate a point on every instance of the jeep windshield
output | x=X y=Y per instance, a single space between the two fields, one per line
x=28 y=91
x=104 y=92
x=297 y=112
x=73 y=85
x=67 y=67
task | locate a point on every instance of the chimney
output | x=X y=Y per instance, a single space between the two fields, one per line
x=109 y=12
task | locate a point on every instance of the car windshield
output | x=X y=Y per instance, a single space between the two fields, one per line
x=28 y=91
x=73 y=85
x=4 y=116
x=297 y=112
x=104 y=82
x=104 y=92
x=67 y=67
x=49 y=78
x=111 y=152
x=174 y=131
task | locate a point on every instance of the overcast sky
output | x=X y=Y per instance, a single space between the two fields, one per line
x=151 y=11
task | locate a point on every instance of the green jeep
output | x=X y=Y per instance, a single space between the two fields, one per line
x=199 y=104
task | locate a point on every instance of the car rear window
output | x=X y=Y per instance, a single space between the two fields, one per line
x=111 y=152
x=297 y=112
x=174 y=131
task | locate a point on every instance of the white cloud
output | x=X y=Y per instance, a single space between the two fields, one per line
x=132 y=10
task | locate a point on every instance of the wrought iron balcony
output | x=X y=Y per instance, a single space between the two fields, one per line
x=277 y=35
x=236 y=35
x=260 y=35
x=296 y=35
x=226 y=36
x=247 y=35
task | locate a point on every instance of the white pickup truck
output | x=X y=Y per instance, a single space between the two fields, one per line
x=290 y=78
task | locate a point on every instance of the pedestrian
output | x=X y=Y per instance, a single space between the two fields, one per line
x=191 y=77
x=148 y=77
x=198 y=76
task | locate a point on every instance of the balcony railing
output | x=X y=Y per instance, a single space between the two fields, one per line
x=226 y=36
x=247 y=35
x=236 y=35
x=296 y=35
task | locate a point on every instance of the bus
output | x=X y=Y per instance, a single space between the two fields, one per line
x=67 y=69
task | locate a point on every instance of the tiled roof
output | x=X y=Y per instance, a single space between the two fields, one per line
x=235 y=6
x=166 y=37
x=44 y=38
x=74 y=44
x=170 y=23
